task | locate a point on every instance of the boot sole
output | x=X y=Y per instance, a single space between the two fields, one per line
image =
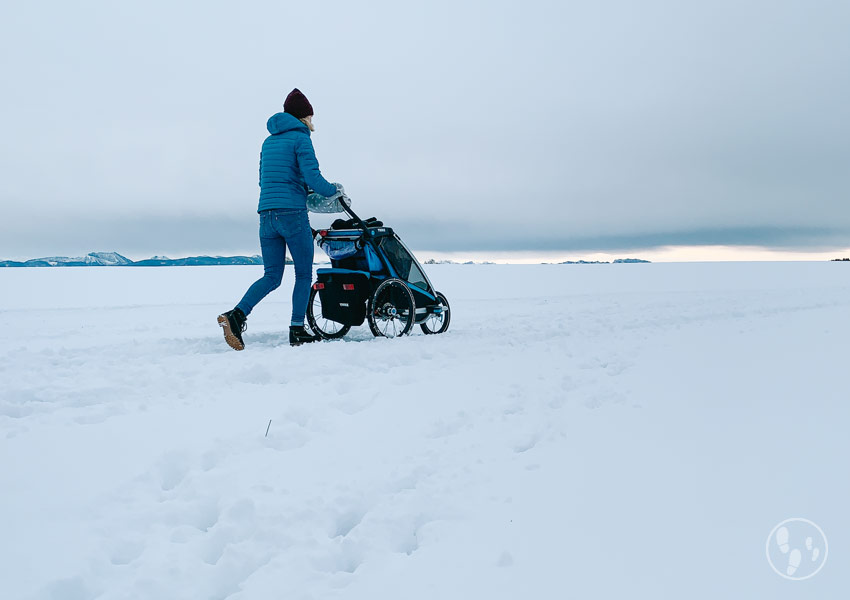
x=231 y=339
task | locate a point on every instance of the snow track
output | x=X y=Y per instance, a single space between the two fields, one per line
x=593 y=431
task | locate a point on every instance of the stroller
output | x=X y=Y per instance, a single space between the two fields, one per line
x=373 y=277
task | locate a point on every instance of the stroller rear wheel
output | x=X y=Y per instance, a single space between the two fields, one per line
x=438 y=321
x=330 y=330
x=392 y=309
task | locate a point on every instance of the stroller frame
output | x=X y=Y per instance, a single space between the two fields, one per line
x=373 y=276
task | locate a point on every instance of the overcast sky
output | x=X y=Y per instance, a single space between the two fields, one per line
x=468 y=126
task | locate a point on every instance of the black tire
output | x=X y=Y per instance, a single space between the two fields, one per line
x=392 y=309
x=434 y=324
x=329 y=330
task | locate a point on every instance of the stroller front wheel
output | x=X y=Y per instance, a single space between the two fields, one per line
x=392 y=309
x=438 y=320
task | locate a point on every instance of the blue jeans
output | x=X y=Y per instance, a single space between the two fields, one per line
x=280 y=228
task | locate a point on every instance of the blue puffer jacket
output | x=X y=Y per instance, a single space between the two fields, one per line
x=288 y=165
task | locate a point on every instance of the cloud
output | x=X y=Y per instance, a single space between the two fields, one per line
x=145 y=236
x=532 y=125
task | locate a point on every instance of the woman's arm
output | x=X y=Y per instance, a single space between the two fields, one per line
x=309 y=166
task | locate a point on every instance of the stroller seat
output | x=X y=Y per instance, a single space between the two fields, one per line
x=347 y=251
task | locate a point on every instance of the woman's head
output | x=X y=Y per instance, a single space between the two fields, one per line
x=297 y=105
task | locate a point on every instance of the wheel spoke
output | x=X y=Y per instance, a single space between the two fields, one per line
x=319 y=323
x=437 y=320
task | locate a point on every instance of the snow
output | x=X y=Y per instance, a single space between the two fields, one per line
x=591 y=431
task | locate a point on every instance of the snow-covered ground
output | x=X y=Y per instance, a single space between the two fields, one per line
x=600 y=431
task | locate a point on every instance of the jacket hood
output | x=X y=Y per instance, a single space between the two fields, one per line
x=282 y=122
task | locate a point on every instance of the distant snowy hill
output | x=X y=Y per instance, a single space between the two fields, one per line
x=92 y=259
x=107 y=258
x=616 y=261
x=113 y=259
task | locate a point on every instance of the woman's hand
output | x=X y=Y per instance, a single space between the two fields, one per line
x=341 y=195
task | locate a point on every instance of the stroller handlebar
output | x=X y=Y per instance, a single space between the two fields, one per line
x=347 y=208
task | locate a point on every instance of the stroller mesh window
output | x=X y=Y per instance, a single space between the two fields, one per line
x=403 y=262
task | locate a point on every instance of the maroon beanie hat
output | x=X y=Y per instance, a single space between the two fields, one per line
x=297 y=105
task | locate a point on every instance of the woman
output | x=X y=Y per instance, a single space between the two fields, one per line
x=288 y=166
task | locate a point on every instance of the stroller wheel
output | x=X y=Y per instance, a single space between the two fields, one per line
x=438 y=321
x=392 y=309
x=329 y=330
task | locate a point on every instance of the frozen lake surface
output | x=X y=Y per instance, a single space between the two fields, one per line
x=582 y=431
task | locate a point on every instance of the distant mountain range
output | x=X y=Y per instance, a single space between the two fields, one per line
x=113 y=259
x=616 y=261
x=432 y=261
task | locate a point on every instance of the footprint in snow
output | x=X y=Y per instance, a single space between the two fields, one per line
x=287 y=436
x=527 y=443
x=444 y=428
x=125 y=551
x=347 y=521
x=344 y=558
x=236 y=523
x=172 y=469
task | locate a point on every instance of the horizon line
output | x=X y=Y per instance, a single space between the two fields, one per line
x=677 y=254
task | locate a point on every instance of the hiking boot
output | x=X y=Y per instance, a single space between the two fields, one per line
x=234 y=323
x=298 y=335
